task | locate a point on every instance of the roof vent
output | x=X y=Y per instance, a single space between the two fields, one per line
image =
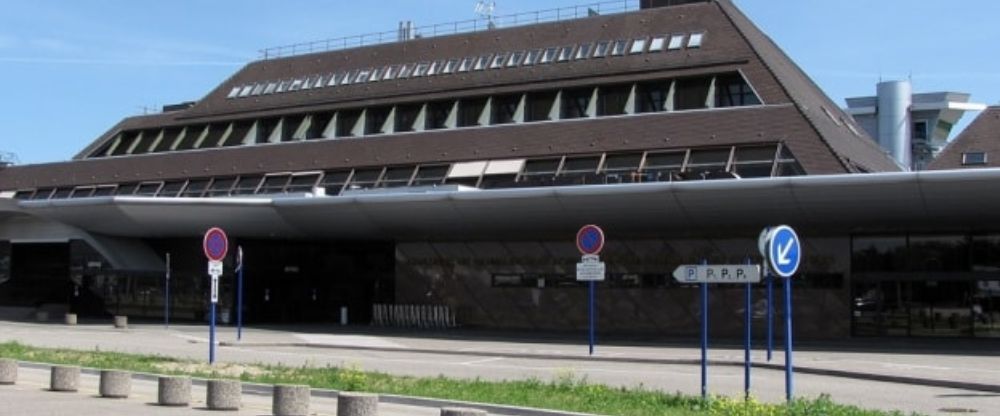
x=178 y=107
x=649 y=4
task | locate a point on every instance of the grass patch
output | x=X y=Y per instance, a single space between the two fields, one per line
x=566 y=392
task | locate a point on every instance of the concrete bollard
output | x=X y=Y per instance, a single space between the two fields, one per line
x=357 y=404
x=290 y=400
x=70 y=319
x=115 y=384
x=224 y=394
x=174 y=391
x=42 y=316
x=8 y=371
x=64 y=378
x=461 y=411
x=121 y=322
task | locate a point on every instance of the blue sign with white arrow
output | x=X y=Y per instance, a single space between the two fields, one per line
x=784 y=251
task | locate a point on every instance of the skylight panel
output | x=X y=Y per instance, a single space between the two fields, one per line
x=638 y=45
x=515 y=59
x=271 y=86
x=390 y=73
x=619 y=48
x=601 y=50
x=333 y=79
x=234 y=92
x=434 y=68
x=349 y=78
x=549 y=55
x=405 y=71
x=320 y=79
x=482 y=62
x=565 y=53
x=363 y=76
x=695 y=40
x=257 y=89
x=583 y=52
x=531 y=57
x=376 y=75
x=283 y=86
x=498 y=60
x=466 y=64
x=450 y=66
x=421 y=69
x=656 y=45
x=246 y=90
x=676 y=42
x=296 y=85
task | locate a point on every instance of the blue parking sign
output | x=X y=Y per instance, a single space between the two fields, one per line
x=784 y=251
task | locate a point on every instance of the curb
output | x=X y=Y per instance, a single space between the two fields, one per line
x=917 y=381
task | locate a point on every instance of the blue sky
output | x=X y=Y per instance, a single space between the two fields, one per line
x=72 y=69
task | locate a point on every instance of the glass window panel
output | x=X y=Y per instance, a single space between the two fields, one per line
x=257 y=89
x=498 y=60
x=283 y=86
x=390 y=73
x=754 y=170
x=437 y=114
x=638 y=46
x=696 y=40
x=549 y=55
x=652 y=96
x=221 y=186
x=45 y=193
x=469 y=111
x=575 y=103
x=24 y=195
x=247 y=185
x=302 y=183
x=334 y=181
x=362 y=76
x=82 y=192
x=665 y=160
x=755 y=153
x=531 y=57
x=397 y=177
x=676 y=42
x=296 y=85
x=146 y=188
x=504 y=109
x=974 y=158
x=63 y=193
x=565 y=53
x=365 y=178
x=583 y=52
x=701 y=157
x=538 y=105
x=542 y=166
x=450 y=66
x=515 y=59
x=482 y=62
x=246 y=90
x=271 y=86
x=234 y=92
x=104 y=190
x=619 y=48
x=171 y=189
x=656 y=45
x=732 y=90
x=405 y=71
x=466 y=64
x=691 y=93
x=577 y=164
x=123 y=189
x=612 y=100
x=986 y=253
x=622 y=162
x=430 y=175
x=878 y=253
x=939 y=253
x=434 y=68
x=601 y=50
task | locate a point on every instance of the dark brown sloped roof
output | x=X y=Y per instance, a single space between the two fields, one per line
x=982 y=135
x=749 y=125
x=839 y=131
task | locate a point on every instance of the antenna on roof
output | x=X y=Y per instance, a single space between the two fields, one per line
x=486 y=9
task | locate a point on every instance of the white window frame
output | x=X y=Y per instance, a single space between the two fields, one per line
x=657 y=43
x=638 y=46
x=696 y=40
x=676 y=42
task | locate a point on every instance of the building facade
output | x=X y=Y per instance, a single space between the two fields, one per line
x=454 y=170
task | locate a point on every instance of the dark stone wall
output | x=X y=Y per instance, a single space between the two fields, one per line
x=530 y=285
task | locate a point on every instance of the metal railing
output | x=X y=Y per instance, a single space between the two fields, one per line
x=451 y=28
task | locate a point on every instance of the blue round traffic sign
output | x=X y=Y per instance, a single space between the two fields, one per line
x=590 y=239
x=784 y=251
x=215 y=244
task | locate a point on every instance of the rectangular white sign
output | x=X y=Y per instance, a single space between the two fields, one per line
x=215 y=288
x=215 y=268
x=590 y=269
x=717 y=273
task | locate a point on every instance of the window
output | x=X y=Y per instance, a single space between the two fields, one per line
x=531 y=57
x=271 y=86
x=920 y=130
x=565 y=53
x=676 y=42
x=974 y=158
x=302 y=183
x=695 y=40
x=283 y=86
x=362 y=76
x=691 y=93
x=540 y=172
x=430 y=175
x=390 y=73
x=405 y=71
x=622 y=163
x=169 y=137
x=397 y=177
x=482 y=62
x=296 y=85
x=319 y=125
x=144 y=189
x=246 y=90
x=601 y=49
x=376 y=75
x=515 y=59
x=434 y=68
x=754 y=161
x=664 y=166
x=375 y=120
x=450 y=66
x=538 y=105
x=63 y=193
x=469 y=111
x=466 y=64
x=406 y=117
x=612 y=100
x=437 y=114
x=505 y=109
x=421 y=69
x=365 y=178
x=346 y=120
x=498 y=60
x=580 y=165
x=106 y=190
x=583 y=52
x=45 y=193
x=575 y=103
x=787 y=164
x=501 y=173
x=351 y=76
x=466 y=173
x=220 y=187
x=732 y=91
x=704 y=163
x=549 y=55
x=638 y=46
x=619 y=48
x=247 y=185
x=85 y=191
x=171 y=189
x=335 y=79
x=195 y=188
x=656 y=45
x=123 y=189
x=257 y=89
x=652 y=96
x=334 y=181
x=233 y=92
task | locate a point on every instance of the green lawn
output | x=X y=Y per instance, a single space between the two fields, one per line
x=566 y=392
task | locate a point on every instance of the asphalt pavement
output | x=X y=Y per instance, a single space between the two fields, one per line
x=927 y=376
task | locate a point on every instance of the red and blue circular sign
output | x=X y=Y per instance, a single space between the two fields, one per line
x=215 y=244
x=590 y=239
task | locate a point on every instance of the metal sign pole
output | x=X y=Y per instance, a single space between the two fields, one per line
x=211 y=337
x=788 y=339
x=592 y=285
x=239 y=297
x=166 y=300
x=746 y=341
x=704 y=338
x=770 y=312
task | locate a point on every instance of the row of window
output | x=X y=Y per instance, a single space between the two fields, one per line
x=690 y=93
x=531 y=57
x=639 y=280
x=749 y=161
